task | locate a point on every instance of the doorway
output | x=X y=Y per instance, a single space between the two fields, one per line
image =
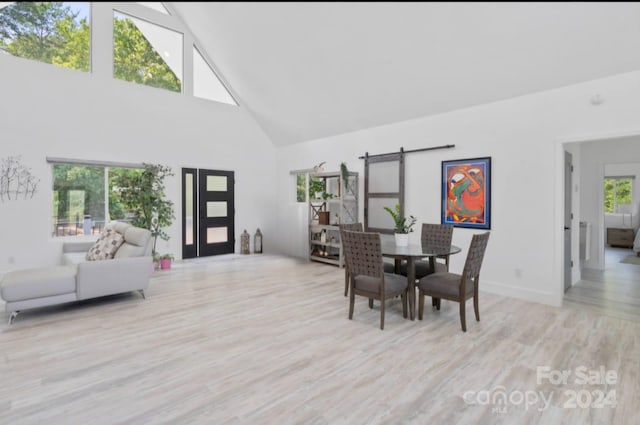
x=208 y=211
x=568 y=216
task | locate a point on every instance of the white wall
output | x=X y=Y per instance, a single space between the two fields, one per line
x=47 y=111
x=616 y=155
x=525 y=138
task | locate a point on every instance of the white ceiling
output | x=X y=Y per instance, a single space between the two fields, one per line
x=312 y=70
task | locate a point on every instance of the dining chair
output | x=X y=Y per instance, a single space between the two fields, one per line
x=363 y=254
x=351 y=227
x=457 y=287
x=435 y=235
x=357 y=227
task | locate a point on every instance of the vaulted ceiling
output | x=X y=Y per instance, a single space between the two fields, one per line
x=312 y=70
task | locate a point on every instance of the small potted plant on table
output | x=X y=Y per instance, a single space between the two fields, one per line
x=402 y=225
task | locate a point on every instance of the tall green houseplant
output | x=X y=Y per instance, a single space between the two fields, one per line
x=143 y=195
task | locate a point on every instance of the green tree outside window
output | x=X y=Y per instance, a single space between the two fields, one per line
x=617 y=192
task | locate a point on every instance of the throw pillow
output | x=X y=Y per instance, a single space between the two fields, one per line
x=106 y=246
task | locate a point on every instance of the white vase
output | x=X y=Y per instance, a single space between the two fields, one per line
x=402 y=239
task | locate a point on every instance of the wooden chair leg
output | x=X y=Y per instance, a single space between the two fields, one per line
x=346 y=283
x=352 y=301
x=476 y=308
x=370 y=302
x=438 y=304
x=433 y=302
x=420 y=304
x=404 y=305
x=462 y=316
x=382 y=313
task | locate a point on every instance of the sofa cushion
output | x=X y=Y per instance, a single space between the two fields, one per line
x=73 y=258
x=118 y=226
x=106 y=246
x=136 y=241
x=37 y=283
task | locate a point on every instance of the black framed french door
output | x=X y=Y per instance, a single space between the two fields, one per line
x=208 y=211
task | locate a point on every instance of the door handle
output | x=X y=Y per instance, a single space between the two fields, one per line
x=567 y=228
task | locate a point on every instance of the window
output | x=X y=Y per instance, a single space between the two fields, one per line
x=301 y=186
x=316 y=186
x=60 y=33
x=157 y=6
x=146 y=53
x=618 y=194
x=82 y=202
x=53 y=32
x=206 y=83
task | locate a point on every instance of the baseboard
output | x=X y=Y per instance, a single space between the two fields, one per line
x=519 y=293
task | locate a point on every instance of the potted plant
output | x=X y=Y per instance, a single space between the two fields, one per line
x=327 y=196
x=143 y=195
x=156 y=261
x=344 y=172
x=165 y=261
x=402 y=225
x=316 y=187
x=319 y=168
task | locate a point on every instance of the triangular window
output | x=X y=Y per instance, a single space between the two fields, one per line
x=146 y=53
x=206 y=83
x=155 y=5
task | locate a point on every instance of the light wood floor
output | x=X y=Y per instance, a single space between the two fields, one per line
x=264 y=339
x=614 y=291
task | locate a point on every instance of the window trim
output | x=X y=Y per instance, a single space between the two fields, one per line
x=93 y=163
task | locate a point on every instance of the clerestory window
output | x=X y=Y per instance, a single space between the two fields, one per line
x=58 y=33
x=146 y=53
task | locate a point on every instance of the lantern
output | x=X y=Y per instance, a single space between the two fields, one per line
x=244 y=242
x=257 y=242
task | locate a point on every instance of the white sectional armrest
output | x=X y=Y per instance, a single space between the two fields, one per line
x=106 y=277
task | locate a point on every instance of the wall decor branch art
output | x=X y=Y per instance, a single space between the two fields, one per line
x=466 y=193
x=16 y=180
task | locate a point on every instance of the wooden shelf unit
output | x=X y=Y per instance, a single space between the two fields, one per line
x=324 y=239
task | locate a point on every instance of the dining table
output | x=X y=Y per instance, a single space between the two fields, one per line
x=410 y=253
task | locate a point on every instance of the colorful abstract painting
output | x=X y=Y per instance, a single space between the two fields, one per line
x=466 y=193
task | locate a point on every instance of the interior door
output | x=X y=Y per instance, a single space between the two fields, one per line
x=383 y=187
x=568 y=215
x=216 y=212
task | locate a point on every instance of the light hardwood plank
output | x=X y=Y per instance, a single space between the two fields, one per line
x=265 y=339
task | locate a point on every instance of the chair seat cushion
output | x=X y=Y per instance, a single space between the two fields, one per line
x=393 y=283
x=37 y=283
x=444 y=283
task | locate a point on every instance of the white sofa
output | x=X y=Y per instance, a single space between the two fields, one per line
x=79 y=279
